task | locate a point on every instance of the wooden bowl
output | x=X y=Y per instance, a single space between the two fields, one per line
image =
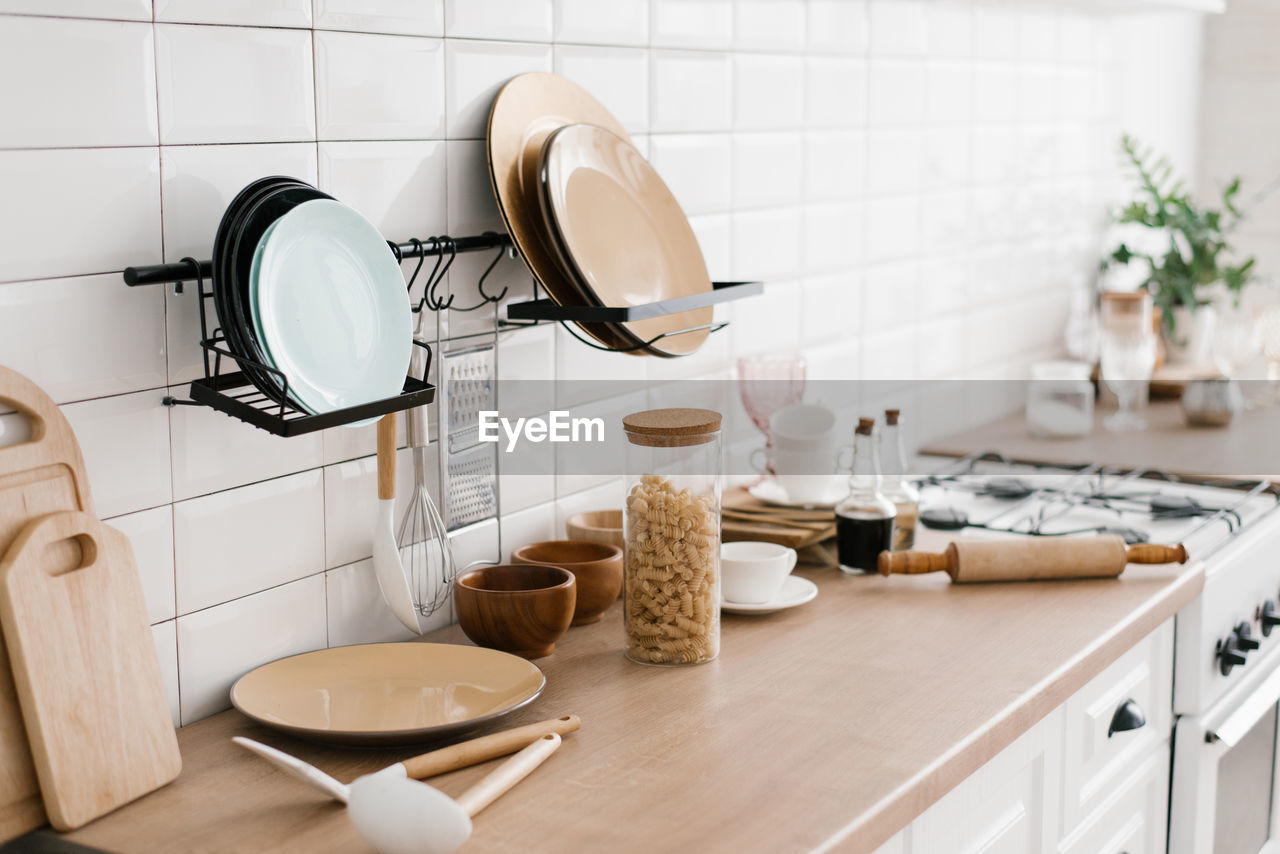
x=517 y=608
x=597 y=526
x=596 y=566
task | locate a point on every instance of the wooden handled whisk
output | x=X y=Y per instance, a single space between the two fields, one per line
x=424 y=542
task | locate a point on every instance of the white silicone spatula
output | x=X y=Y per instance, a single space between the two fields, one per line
x=386 y=553
x=399 y=815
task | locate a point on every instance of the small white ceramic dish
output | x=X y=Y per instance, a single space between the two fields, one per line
x=796 y=591
x=332 y=308
x=770 y=491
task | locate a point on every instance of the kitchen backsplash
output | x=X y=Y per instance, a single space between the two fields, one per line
x=1240 y=118
x=919 y=183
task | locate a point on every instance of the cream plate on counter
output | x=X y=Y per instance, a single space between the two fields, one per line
x=386 y=693
x=624 y=232
x=795 y=591
x=329 y=300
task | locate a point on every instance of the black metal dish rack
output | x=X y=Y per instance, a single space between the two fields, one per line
x=233 y=393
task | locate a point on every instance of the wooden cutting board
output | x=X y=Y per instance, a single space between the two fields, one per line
x=747 y=518
x=39 y=476
x=85 y=667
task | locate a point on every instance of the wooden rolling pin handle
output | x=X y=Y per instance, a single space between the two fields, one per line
x=915 y=563
x=486 y=747
x=387 y=456
x=1152 y=553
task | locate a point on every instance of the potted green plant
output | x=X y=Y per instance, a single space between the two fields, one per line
x=1178 y=250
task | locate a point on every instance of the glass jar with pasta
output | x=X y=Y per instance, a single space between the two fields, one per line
x=671 y=533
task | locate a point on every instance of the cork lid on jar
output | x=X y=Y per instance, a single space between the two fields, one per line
x=669 y=428
x=865 y=426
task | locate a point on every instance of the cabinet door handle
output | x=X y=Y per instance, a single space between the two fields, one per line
x=1128 y=717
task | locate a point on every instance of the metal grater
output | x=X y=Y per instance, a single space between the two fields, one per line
x=471 y=489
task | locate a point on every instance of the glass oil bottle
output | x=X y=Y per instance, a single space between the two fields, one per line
x=865 y=517
x=897 y=488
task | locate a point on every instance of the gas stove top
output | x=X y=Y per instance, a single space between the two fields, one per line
x=1230 y=526
x=988 y=495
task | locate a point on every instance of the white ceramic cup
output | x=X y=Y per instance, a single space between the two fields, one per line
x=805 y=476
x=752 y=573
x=803 y=427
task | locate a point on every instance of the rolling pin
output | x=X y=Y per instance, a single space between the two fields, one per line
x=1031 y=559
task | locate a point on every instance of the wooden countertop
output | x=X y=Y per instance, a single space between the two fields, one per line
x=835 y=723
x=1247 y=448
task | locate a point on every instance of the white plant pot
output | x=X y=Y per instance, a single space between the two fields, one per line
x=1192 y=340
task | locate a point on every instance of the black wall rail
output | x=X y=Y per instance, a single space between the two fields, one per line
x=233 y=393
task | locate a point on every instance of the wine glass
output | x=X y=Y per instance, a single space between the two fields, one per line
x=768 y=382
x=1127 y=354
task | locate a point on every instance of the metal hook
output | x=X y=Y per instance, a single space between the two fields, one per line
x=427 y=285
x=453 y=253
x=195 y=265
x=485 y=299
x=413 y=277
x=487 y=270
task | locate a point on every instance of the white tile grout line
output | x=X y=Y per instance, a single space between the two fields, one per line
x=164 y=304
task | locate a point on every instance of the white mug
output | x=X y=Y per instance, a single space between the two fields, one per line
x=802 y=427
x=754 y=572
x=805 y=476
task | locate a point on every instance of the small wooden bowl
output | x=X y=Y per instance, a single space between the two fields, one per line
x=596 y=566
x=597 y=526
x=517 y=608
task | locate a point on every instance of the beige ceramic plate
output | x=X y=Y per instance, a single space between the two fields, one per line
x=386 y=693
x=526 y=110
x=624 y=232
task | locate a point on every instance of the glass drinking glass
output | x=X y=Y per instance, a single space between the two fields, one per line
x=1236 y=339
x=768 y=382
x=1127 y=355
x=1269 y=334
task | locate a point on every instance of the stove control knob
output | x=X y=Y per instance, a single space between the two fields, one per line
x=1269 y=617
x=1244 y=638
x=1229 y=656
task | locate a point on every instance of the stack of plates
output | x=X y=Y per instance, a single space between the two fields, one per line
x=590 y=216
x=306 y=286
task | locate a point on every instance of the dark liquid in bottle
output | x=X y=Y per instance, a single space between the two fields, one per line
x=860 y=539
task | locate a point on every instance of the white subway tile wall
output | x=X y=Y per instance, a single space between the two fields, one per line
x=1241 y=115
x=916 y=182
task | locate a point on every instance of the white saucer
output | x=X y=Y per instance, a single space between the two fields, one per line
x=795 y=591
x=771 y=492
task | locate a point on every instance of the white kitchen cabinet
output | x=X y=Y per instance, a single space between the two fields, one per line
x=896 y=845
x=1131 y=819
x=1008 y=806
x=1095 y=760
x=1065 y=785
